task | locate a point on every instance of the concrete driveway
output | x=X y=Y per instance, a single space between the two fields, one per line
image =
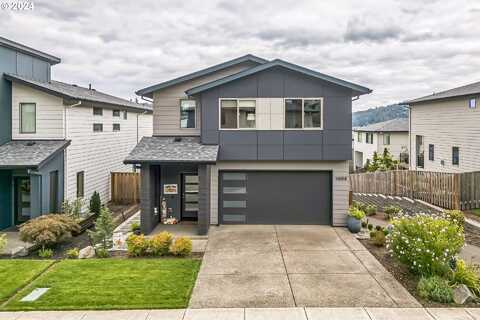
x=286 y=266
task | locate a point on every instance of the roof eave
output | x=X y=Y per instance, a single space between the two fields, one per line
x=29 y=51
x=140 y=161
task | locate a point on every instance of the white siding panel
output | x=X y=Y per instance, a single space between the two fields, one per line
x=49 y=113
x=447 y=124
x=340 y=186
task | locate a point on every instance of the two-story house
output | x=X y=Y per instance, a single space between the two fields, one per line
x=376 y=137
x=444 y=131
x=57 y=141
x=248 y=141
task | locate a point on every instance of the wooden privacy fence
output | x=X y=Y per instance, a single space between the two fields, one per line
x=446 y=190
x=125 y=187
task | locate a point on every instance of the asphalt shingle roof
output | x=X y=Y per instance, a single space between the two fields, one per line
x=394 y=125
x=167 y=149
x=75 y=92
x=469 y=89
x=29 y=153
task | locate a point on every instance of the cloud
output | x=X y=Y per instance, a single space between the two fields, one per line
x=400 y=48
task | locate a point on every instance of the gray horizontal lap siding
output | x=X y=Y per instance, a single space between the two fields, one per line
x=331 y=143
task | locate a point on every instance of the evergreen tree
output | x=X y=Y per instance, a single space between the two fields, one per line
x=95 y=203
x=104 y=227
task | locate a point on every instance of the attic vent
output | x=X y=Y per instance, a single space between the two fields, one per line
x=177 y=139
x=31 y=143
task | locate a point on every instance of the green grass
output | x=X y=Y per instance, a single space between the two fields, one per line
x=113 y=284
x=15 y=274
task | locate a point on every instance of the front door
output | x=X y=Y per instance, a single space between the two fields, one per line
x=22 y=199
x=189 y=196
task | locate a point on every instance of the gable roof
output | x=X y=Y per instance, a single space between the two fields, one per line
x=29 y=51
x=469 y=89
x=29 y=153
x=74 y=92
x=147 y=92
x=394 y=125
x=359 y=90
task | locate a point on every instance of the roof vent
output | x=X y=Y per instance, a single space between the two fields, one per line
x=177 y=139
x=30 y=143
x=74 y=85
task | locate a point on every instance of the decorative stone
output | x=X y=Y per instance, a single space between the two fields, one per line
x=19 y=252
x=86 y=253
x=462 y=295
x=363 y=235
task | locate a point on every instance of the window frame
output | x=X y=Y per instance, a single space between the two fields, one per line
x=238 y=113
x=97 y=114
x=93 y=127
x=389 y=139
x=303 y=113
x=474 y=99
x=368 y=134
x=113 y=127
x=431 y=152
x=125 y=115
x=180 y=118
x=77 y=175
x=359 y=136
x=116 y=111
x=21 y=104
x=458 y=156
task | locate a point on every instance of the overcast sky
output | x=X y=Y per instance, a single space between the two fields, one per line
x=401 y=49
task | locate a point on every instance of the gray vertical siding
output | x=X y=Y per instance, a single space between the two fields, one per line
x=55 y=164
x=149 y=219
x=204 y=198
x=331 y=143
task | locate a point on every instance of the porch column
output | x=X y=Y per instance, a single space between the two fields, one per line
x=148 y=216
x=203 y=198
x=35 y=195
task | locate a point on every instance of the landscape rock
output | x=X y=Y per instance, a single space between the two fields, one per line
x=19 y=252
x=86 y=253
x=462 y=295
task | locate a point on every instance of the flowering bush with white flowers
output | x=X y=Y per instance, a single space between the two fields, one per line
x=426 y=244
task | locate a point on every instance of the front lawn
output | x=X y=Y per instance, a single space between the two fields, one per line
x=15 y=274
x=113 y=284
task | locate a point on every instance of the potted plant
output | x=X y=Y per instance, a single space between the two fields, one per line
x=354 y=221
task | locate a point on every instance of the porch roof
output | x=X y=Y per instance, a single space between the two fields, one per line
x=172 y=150
x=29 y=153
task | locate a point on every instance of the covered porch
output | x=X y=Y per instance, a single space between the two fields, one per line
x=175 y=183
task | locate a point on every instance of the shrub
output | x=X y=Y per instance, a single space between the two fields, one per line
x=425 y=244
x=102 y=253
x=137 y=246
x=135 y=226
x=378 y=228
x=359 y=205
x=356 y=213
x=104 y=227
x=45 y=253
x=370 y=226
x=370 y=210
x=455 y=216
x=48 y=230
x=3 y=241
x=436 y=289
x=160 y=243
x=73 y=208
x=378 y=238
x=95 y=203
x=72 y=253
x=468 y=275
x=392 y=211
x=182 y=246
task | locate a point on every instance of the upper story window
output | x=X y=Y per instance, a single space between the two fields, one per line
x=431 y=152
x=188 y=110
x=359 y=137
x=369 y=137
x=28 y=122
x=386 y=139
x=125 y=115
x=116 y=113
x=97 y=127
x=97 y=111
x=80 y=184
x=237 y=114
x=472 y=103
x=116 y=127
x=303 y=113
x=455 y=156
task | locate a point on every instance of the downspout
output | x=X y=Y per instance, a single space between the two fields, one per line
x=410 y=138
x=66 y=136
x=139 y=114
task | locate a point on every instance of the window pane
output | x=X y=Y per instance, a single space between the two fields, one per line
x=386 y=139
x=97 y=127
x=27 y=116
x=235 y=204
x=125 y=115
x=293 y=113
x=472 y=103
x=234 y=176
x=312 y=113
x=97 y=111
x=191 y=179
x=228 y=117
x=455 y=155
x=237 y=190
x=431 y=152
x=191 y=197
x=80 y=184
x=187 y=113
x=116 y=113
x=116 y=127
x=247 y=113
x=191 y=188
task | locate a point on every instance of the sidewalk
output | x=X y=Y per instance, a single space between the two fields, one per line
x=254 y=314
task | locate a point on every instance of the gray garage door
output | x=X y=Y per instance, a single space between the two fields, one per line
x=275 y=197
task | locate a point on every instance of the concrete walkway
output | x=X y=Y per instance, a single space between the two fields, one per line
x=264 y=266
x=254 y=314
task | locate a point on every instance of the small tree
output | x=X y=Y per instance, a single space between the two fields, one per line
x=104 y=227
x=95 y=203
x=384 y=162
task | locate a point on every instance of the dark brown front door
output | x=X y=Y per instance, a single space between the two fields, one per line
x=189 y=196
x=22 y=199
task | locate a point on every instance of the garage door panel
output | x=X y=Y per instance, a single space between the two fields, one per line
x=276 y=197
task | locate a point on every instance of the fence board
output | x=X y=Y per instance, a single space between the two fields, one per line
x=125 y=187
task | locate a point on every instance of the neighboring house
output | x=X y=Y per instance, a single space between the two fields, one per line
x=376 y=137
x=444 y=134
x=57 y=141
x=248 y=141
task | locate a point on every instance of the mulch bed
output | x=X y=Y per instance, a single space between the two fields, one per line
x=404 y=277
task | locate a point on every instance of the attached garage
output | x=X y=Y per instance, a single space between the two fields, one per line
x=275 y=197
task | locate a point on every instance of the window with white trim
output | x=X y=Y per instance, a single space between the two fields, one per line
x=386 y=139
x=28 y=121
x=472 y=103
x=187 y=113
x=237 y=114
x=303 y=113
